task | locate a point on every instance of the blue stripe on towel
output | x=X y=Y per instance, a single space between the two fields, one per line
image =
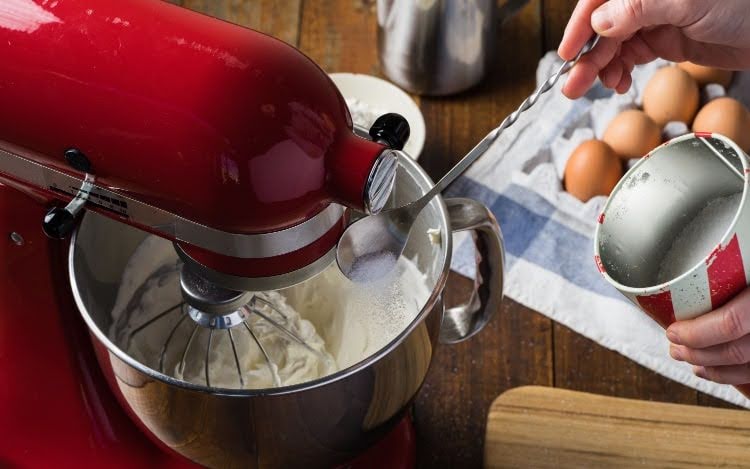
x=532 y=235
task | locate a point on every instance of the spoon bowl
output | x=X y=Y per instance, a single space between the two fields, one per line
x=370 y=247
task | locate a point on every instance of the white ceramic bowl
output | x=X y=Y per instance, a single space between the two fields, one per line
x=382 y=96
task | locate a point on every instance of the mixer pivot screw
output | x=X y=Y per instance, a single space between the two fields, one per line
x=17 y=239
x=78 y=160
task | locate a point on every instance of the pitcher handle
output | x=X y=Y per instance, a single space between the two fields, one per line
x=463 y=321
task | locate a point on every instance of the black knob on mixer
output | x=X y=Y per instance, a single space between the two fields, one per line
x=392 y=130
x=58 y=223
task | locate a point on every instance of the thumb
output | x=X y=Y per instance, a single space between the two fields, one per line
x=621 y=19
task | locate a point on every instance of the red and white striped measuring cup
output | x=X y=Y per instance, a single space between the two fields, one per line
x=651 y=205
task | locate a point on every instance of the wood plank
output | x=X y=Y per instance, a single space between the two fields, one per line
x=584 y=365
x=279 y=19
x=450 y=410
x=547 y=427
x=556 y=15
x=456 y=123
x=515 y=346
x=341 y=35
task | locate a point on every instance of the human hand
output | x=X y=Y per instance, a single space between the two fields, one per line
x=635 y=32
x=717 y=344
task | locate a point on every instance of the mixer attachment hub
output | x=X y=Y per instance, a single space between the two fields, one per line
x=217 y=321
x=208 y=297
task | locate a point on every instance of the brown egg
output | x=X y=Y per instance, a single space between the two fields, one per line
x=671 y=95
x=632 y=134
x=593 y=169
x=705 y=75
x=728 y=117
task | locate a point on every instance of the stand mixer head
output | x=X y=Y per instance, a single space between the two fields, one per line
x=226 y=141
x=229 y=142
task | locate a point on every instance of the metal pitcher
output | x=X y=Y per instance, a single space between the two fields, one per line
x=435 y=47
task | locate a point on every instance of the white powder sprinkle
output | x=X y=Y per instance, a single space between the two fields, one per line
x=362 y=113
x=701 y=236
x=375 y=267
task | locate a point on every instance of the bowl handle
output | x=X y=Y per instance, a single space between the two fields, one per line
x=463 y=321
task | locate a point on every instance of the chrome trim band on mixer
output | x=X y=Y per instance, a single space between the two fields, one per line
x=274 y=282
x=15 y=162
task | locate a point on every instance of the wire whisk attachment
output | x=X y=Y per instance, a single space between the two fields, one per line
x=258 y=333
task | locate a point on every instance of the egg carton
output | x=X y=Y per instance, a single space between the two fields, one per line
x=539 y=149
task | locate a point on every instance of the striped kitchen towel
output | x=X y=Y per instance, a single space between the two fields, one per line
x=549 y=234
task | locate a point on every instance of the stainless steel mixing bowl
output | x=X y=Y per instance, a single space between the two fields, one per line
x=318 y=423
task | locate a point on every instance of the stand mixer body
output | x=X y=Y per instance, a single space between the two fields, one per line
x=240 y=150
x=226 y=141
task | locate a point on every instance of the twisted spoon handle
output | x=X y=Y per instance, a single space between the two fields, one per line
x=487 y=141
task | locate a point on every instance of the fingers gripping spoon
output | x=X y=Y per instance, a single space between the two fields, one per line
x=370 y=247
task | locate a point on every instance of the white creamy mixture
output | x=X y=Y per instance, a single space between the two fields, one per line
x=696 y=241
x=342 y=322
x=373 y=267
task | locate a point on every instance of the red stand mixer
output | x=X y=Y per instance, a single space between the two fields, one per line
x=241 y=151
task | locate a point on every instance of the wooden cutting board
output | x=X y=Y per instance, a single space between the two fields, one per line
x=540 y=427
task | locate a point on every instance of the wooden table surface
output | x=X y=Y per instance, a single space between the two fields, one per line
x=519 y=346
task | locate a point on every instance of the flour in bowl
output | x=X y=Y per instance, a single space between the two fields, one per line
x=363 y=114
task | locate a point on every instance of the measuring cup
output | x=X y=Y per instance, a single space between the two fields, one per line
x=651 y=206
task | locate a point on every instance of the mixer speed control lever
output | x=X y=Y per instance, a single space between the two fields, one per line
x=59 y=222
